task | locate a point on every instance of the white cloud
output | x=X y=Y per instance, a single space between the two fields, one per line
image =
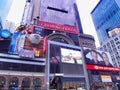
x=85 y=7
x=16 y=10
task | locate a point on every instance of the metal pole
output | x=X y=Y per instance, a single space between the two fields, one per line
x=85 y=70
x=48 y=68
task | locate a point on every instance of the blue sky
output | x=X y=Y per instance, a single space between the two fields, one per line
x=84 y=7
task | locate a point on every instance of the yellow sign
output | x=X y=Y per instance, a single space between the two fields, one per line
x=106 y=78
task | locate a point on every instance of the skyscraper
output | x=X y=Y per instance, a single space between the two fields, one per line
x=4 y=8
x=106 y=16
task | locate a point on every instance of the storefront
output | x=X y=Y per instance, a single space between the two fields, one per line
x=103 y=79
x=101 y=72
x=21 y=73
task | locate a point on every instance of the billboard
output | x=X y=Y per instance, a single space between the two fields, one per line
x=71 y=56
x=61 y=12
x=64 y=59
x=97 y=57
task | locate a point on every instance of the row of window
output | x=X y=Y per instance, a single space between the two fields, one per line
x=111 y=14
x=112 y=47
x=13 y=83
x=21 y=67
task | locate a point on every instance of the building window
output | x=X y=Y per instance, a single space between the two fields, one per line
x=13 y=83
x=26 y=84
x=37 y=84
x=2 y=83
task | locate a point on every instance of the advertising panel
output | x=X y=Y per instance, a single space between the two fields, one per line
x=65 y=60
x=97 y=57
x=96 y=78
x=61 y=12
x=71 y=56
x=106 y=78
x=38 y=30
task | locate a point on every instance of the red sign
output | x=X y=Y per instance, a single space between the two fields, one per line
x=30 y=29
x=103 y=68
x=45 y=44
x=58 y=27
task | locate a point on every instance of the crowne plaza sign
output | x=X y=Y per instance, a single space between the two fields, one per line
x=58 y=27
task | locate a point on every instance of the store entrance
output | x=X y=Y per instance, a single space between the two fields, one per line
x=55 y=83
x=61 y=83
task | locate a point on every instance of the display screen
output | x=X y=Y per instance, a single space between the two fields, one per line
x=71 y=60
x=70 y=56
x=67 y=60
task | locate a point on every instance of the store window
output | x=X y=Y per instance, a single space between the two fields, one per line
x=54 y=59
x=2 y=83
x=26 y=84
x=13 y=83
x=37 y=84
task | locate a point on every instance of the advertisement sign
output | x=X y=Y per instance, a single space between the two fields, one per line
x=102 y=68
x=58 y=27
x=5 y=33
x=67 y=60
x=71 y=56
x=106 y=78
x=97 y=57
x=116 y=78
x=96 y=78
x=26 y=53
x=38 y=30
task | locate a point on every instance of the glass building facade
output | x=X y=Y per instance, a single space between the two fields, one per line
x=106 y=16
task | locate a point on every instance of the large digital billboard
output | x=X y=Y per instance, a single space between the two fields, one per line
x=61 y=12
x=97 y=57
x=65 y=60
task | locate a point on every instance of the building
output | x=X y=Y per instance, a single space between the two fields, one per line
x=4 y=9
x=1 y=27
x=21 y=73
x=9 y=25
x=54 y=30
x=106 y=16
x=28 y=12
x=86 y=40
x=102 y=73
x=112 y=45
x=54 y=12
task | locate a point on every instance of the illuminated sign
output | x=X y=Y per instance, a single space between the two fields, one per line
x=26 y=53
x=45 y=45
x=58 y=27
x=103 y=68
x=5 y=33
x=97 y=57
x=106 y=78
x=71 y=56
x=118 y=77
x=38 y=30
x=30 y=29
